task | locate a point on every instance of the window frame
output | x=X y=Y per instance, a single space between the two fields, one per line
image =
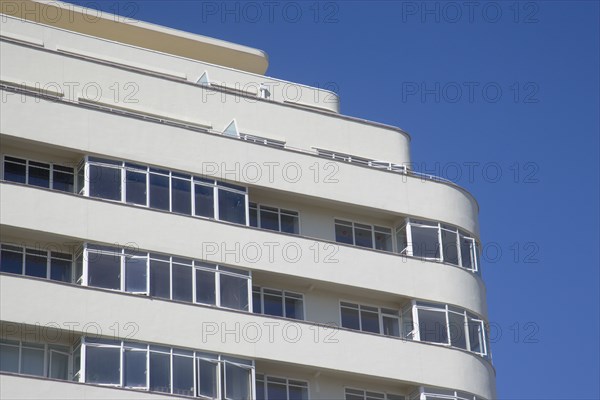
x=256 y=206
x=284 y=295
x=264 y=378
x=49 y=255
x=50 y=167
x=380 y=315
x=373 y=230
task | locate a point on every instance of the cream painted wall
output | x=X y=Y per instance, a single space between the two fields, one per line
x=249 y=335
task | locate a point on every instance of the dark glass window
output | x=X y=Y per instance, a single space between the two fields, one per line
x=369 y=318
x=293 y=307
x=105 y=182
x=449 y=241
x=350 y=317
x=269 y=218
x=183 y=375
x=159 y=191
x=234 y=292
x=102 y=365
x=39 y=174
x=135 y=368
x=15 y=169
x=363 y=235
x=36 y=263
x=256 y=301
x=205 y=287
x=11 y=262
x=207 y=378
x=253 y=213
x=432 y=326
x=383 y=238
x=160 y=372
x=160 y=279
x=232 y=207
x=343 y=233
x=63 y=179
x=135 y=274
x=458 y=337
x=204 y=201
x=181 y=195
x=135 y=187
x=60 y=268
x=289 y=222
x=273 y=302
x=104 y=270
x=425 y=242
x=182 y=282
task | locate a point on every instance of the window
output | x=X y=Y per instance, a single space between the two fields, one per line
x=183 y=372
x=102 y=362
x=370 y=319
x=275 y=388
x=40 y=174
x=37 y=263
x=134 y=364
x=160 y=369
x=104 y=268
x=373 y=237
x=237 y=381
x=277 y=303
x=275 y=219
x=453 y=326
x=207 y=378
x=29 y=358
x=232 y=206
x=105 y=180
x=358 y=394
x=440 y=242
x=165 y=277
x=162 y=189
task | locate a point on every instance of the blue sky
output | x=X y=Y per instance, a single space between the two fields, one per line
x=501 y=96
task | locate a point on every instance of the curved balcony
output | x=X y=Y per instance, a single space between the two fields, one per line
x=245 y=335
x=219 y=242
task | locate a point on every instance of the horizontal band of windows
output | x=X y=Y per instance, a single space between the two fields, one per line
x=420 y=321
x=278 y=388
x=279 y=303
x=428 y=240
x=359 y=394
x=274 y=219
x=428 y=393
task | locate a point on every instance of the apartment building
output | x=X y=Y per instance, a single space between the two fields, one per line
x=176 y=224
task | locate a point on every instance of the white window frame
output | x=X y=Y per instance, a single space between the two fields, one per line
x=50 y=169
x=265 y=382
x=276 y=210
x=284 y=294
x=373 y=228
x=380 y=314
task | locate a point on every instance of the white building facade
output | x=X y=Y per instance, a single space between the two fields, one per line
x=176 y=224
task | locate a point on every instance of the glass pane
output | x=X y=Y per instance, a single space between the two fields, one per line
x=391 y=326
x=383 y=241
x=234 y=292
x=458 y=337
x=256 y=302
x=205 y=287
x=269 y=220
x=401 y=240
x=181 y=193
x=39 y=176
x=35 y=265
x=273 y=304
x=135 y=368
x=370 y=321
x=449 y=241
x=237 y=382
x=232 y=207
x=466 y=252
x=425 y=242
x=160 y=279
x=11 y=262
x=350 y=318
x=183 y=375
x=432 y=326
x=290 y=224
x=343 y=234
x=105 y=182
x=59 y=366
x=207 y=376
x=102 y=365
x=276 y=390
x=159 y=192
x=63 y=179
x=60 y=270
x=9 y=358
x=363 y=237
x=298 y=392
x=293 y=308
x=14 y=172
x=160 y=372
x=136 y=187
x=204 y=201
x=476 y=335
x=135 y=274
x=80 y=177
x=32 y=361
x=253 y=213
x=104 y=270
x=182 y=283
